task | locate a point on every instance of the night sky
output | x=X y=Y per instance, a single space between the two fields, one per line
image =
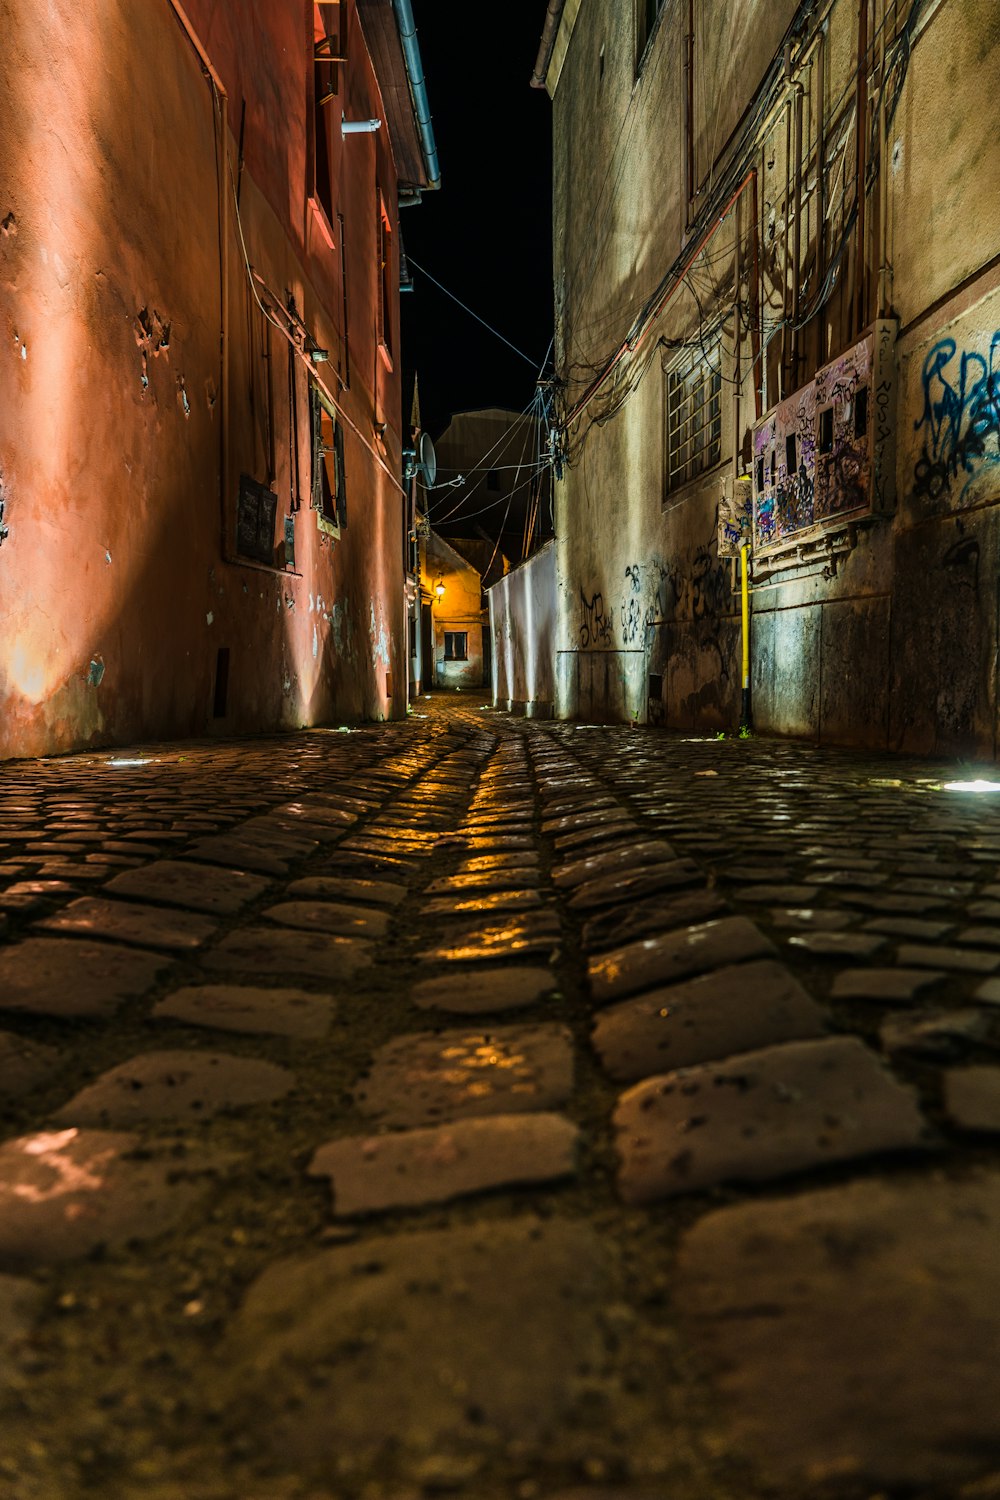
x=486 y=234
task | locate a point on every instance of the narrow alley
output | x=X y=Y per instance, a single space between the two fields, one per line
x=510 y=1110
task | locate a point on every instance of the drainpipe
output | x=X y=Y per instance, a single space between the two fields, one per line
x=860 y=274
x=549 y=33
x=746 y=714
x=418 y=89
x=689 y=113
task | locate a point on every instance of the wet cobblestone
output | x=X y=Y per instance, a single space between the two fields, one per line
x=317 y=1177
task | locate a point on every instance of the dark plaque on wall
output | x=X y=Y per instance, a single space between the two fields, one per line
x=255 y=521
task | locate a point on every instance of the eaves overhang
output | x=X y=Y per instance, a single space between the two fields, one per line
x=391 y=38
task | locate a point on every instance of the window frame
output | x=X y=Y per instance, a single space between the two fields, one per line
x=697 y=373
x=646 y=27
x=384 y=261
x=453 y=635
x=327 y=490
x=324 y=85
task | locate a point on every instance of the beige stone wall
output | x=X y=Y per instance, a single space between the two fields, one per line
x=859 y=623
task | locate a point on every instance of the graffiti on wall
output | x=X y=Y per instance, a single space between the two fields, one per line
x=813 y=453
x=631 y=610
x=736 y=519
x=960 y=420
x=596 y=627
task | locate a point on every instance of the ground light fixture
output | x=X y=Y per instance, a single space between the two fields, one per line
x=972 y=786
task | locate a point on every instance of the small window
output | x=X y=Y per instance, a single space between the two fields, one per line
x=694 y=421
x=861 y=413
x=456 y=645
x=760 y=476
x=493 y=479
x=646 y=16
x=327 y=55
x=383 y=231
x=826 y=430
x=256 y=509
x=329 y=487
x=791 y=454
x=221 y=695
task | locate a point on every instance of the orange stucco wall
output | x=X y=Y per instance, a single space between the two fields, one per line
x=133 y=394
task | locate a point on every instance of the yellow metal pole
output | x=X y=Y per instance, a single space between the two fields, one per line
x=745 y=716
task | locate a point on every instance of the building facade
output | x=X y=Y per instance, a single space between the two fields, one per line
x=497 y=480
x=777 y=287
x=200 y=434
x=457 y=637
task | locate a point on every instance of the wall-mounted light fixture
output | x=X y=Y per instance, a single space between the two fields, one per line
x=360 y=127
x=439 y=589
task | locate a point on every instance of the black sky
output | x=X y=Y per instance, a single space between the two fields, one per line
x=486 y=234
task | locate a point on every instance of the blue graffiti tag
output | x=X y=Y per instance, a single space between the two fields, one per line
x=960 y=419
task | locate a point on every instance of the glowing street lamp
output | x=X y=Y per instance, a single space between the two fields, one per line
x=439 y=590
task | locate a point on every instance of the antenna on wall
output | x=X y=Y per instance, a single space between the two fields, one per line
x=427 y=464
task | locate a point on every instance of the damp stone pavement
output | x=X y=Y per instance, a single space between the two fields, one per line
x=502 y=1110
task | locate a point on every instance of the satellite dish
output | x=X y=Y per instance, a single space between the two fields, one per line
x=427 y=460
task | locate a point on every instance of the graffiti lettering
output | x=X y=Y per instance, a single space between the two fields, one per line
x=596 y=628
x=960 y=420
x=631 y=610
x=962 y=558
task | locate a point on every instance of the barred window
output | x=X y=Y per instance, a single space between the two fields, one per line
x=694 y=418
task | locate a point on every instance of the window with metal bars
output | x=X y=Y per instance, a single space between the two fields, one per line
x=693 y=419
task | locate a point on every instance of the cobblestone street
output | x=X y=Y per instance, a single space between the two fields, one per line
x=503 y=1109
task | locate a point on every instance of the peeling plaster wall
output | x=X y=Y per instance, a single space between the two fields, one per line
x=882 y=631
x=118 y=566
x=523 y=630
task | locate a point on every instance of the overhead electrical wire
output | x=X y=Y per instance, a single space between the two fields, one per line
x=465 y=308
x=481 y=464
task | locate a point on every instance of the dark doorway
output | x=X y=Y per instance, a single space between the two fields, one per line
x=487 y=658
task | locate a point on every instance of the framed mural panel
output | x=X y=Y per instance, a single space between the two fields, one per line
x=821 y=456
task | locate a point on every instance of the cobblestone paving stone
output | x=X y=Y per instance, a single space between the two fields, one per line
x=317 y=1176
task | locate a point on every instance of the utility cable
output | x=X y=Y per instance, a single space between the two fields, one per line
x=467 y=309
x=252 y=276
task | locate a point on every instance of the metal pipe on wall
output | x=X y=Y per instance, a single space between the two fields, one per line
x=799 y=92
x=884 y=267
x=820 y=90
x=418 y=89
x=756 y=332
x=689 y=164
x=861 y=228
